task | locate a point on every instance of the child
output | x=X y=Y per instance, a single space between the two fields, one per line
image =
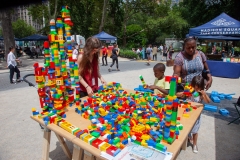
x=199 y=96
x=159 y=83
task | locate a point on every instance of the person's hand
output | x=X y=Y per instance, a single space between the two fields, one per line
x=103 y=81
x=180 y=94
x=152 y=87
x=208 y=84
x=202 y=92
x=89 y=91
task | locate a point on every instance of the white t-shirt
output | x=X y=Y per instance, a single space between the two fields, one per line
x=74 y=54
x=11 y=59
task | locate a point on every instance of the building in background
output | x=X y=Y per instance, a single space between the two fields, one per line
x=21 y=12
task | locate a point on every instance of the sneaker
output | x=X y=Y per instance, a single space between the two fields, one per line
x=109 y=70
x=19 y=80
x=195 y=149
x=103 y=65
x=106 y=64
x=118 y=69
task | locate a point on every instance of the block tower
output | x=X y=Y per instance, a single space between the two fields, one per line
x=170 y=131
x=62 y=82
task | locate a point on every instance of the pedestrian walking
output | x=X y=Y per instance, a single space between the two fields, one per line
x=154 y=52
x=12 y=65
x=104 y=55
x=114 y=56
x=149 y=51
x=165 y=50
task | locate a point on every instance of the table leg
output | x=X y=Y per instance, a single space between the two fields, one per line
x=88 y=156
x=46 y=143
x=77 y=152
x=64 y=146
x=184 y=146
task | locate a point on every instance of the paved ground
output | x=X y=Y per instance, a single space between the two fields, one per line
x=21 y=137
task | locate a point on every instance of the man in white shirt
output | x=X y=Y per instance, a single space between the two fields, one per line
x=12 y=65
x=74 y=53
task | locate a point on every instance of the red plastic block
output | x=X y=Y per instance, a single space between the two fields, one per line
x=96 y=142
x=110 y=150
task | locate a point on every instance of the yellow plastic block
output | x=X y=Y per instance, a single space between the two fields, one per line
x=33 y=109
x=186 y=115
x=143 y=143
x=83 y=135
x=147 y=127
x=145 y=137
x=86 y=138
x=104 y=147
x=153 y=119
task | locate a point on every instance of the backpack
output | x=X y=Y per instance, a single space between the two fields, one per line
x=148 y=50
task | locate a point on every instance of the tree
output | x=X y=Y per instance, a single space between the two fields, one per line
x=22 y=29
x=5 y=17
x=103 y=15
x=46 y=11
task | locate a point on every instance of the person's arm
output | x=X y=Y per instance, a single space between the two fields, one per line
x=101 y=78
x=118 y=50
x=164 y=91
x=209 y=81
x=205 y=97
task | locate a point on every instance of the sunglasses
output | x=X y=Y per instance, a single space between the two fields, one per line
x=190 y=37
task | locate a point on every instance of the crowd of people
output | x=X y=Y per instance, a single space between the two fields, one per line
x=151 y=52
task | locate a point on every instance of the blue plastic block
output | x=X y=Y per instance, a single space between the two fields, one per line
x=221 y=96
x=229 y=97
x=125 y=141
x=210 y=108
x=224 y=112
x=215 y=99
x=214 y=93
x=116 y=152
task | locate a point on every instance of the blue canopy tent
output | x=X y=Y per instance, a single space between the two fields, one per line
x=103 y=36
x=222 y=27
x=35 y=37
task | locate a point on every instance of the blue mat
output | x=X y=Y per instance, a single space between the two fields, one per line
x=224 y=69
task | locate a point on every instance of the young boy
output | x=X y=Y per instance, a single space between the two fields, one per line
x=159 y=83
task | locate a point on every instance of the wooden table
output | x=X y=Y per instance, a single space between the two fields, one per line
x=83 y=150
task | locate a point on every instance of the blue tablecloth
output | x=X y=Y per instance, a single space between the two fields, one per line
x=224 y=69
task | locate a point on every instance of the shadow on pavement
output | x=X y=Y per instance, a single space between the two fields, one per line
x=58 y=153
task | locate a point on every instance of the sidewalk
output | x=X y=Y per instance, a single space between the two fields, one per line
x=27 y=63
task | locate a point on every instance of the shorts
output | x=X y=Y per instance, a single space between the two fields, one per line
x=148 y=55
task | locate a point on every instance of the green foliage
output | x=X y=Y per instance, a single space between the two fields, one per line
x=22 y=29
x=127 y=54
x=1 y=32
x=204 y=49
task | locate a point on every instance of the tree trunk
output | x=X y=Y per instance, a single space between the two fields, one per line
x=103 y=15
x=125 y=23
x=7 y=30
x=55 y=9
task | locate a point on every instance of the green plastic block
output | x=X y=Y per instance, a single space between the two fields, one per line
x=160 y=146
x=116 y=140
x=180 y=127
x=170 y=140
x=137 y=142
x=95 y=134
